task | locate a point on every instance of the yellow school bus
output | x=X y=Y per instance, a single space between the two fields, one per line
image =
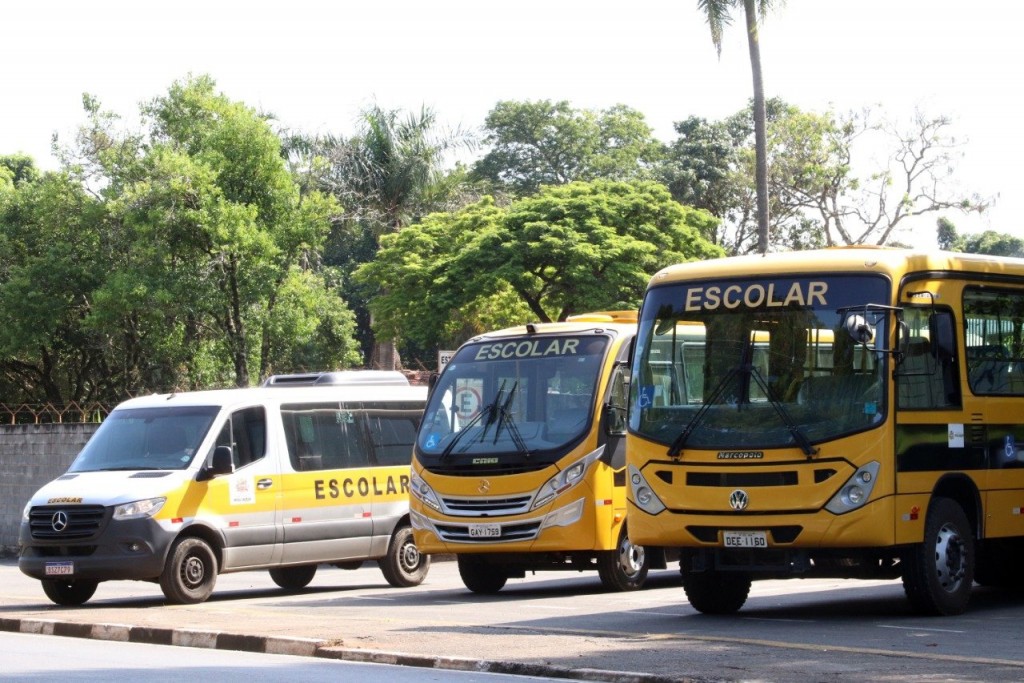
x=519 y=463
x=849 y=412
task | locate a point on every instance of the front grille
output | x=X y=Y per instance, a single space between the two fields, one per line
x=509 y=532
x=460 y=468
x=749 y=479
x=77 y=522
x=477 y=507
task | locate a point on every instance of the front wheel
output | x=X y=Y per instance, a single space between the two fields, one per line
x=69 y=593
x=404 y=565
x=713 y=592
x=293 y=578
x=625 y=568
x=190 y=572
x=939 y=571
x=481 y=576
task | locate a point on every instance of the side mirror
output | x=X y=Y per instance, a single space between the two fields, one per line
x=614 y=420
x=222 y=462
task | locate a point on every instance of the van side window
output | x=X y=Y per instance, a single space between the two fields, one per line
x=246 y=433
x=391 y=429
x=349 y=435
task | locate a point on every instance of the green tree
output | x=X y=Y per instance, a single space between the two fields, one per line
x=392 y=172
x=719 y=15
x=987 y=242
x=49 y=263
x=208 y=230
x=549 y=143
x=568 y=249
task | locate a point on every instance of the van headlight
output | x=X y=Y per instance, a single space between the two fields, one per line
x=856 y=491
x=422 y=491
x=641 y=492
x=565 y=480
x=24 y=513
x=139 y=508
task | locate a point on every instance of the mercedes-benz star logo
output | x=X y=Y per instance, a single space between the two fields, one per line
x=738 y=500
x=484 y=487
x=59 y=521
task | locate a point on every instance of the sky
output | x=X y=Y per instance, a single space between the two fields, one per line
x=316 y=64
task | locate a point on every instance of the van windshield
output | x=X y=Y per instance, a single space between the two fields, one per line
x=146 y=439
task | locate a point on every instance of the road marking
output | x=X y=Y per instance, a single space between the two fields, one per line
x=917 y=628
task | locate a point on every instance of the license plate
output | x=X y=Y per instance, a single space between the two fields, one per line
x=59 y=568
x=484 y=531
x=745 y=539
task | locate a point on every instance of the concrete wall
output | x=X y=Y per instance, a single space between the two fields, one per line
x=30 y=456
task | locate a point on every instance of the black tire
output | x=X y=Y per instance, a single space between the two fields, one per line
x=69 y=593
x=481 y=576
x=626 y=567
x=712 y=592
x=939 y=571
x=190 y=573
x=404 y=565
x=293 y=578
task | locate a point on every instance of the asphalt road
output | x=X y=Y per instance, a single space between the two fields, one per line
x=558 y=625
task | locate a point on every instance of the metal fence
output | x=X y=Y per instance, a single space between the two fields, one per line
x=49 y=413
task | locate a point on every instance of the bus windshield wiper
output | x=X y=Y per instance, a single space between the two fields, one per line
x=794 y=429
x=491 y=413
x=505 y=420
x=676 y=449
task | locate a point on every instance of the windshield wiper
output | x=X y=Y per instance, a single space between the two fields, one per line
x=794 y=429
x=505 y=419
x=676 y=449
x=490 y=410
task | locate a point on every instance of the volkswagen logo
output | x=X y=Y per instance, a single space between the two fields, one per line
x=59 y=521
x=484 y=487
x=738 y=500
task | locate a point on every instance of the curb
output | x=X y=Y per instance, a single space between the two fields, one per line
x=311 y=647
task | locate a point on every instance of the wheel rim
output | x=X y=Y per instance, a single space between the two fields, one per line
x=631 y=558
x=410 y=557
x=950 y=558
x=193 y=570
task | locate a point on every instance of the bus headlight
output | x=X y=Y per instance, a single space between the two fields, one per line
x=139 y=508
x=422 y=491
x=856 y=491
x=642 y=494
x=565 y=480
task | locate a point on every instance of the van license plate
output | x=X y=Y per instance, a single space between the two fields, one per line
x=59 y=568
x=484 y=531
x=745 y=539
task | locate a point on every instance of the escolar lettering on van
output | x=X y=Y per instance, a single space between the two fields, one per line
x=528 y=348
x=757 y=295
x=362 y=486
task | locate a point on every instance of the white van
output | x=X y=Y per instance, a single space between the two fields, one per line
x=178 y=488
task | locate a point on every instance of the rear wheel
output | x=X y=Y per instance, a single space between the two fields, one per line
x=69 y=593
x=625 y=568
x=404 y=565
x=190 y=572
x=293 y=578
x=481 y=576
x=939 y=571
x=712 y=592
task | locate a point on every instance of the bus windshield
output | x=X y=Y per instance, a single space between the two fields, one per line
x=518 y=400
x=767 y=363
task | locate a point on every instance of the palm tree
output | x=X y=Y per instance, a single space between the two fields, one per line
x=719 y=15
x=388 y=175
